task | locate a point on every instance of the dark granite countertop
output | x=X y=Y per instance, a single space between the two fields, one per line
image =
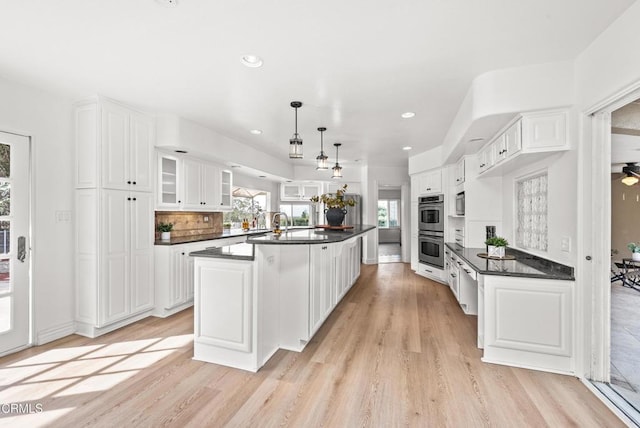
x=210 y=237
x=239 y=251
x=525 y=265
x=310 y=236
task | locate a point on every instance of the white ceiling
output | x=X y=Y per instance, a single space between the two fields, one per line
x=355 y=64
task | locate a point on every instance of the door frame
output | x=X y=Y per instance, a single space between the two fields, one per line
x=31 y=228
x=594 y=256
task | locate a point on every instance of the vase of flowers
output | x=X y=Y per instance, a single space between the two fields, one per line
x=335 y=205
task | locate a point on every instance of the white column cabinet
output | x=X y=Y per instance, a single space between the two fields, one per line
x=114 y=207
x=299 y=191
x=127 y=148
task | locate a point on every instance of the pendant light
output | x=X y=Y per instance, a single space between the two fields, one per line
x=337 y=169
x=295 y=143
x=321 y=160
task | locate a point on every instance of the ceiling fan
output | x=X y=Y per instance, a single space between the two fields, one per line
x=631 y=173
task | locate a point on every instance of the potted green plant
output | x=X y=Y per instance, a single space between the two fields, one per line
x=335 y=205
x=165 y=230
x=635 y=251
x=496 y=246
x=226 y=226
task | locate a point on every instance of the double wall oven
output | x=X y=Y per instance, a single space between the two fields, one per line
x=431 y=230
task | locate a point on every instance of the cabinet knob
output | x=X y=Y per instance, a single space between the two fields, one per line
x=134 y=183
x=183 y=253
x=128 y=199
x=129 y=182
x=134 y=199
x=481 y=165
x=179 y=202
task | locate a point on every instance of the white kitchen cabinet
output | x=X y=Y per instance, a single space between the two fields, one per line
x=545 y=131
x=459 y=172
x=529 y=138
x=206 y=187
x=428 y=182
x=169 y=181
x=127 y=148
x=529 y=323
x=322 y=280
x=174 y=274
x=225 y=189
x=299 y=191
x=114 y=206
x=305 y=289
x=486 y=158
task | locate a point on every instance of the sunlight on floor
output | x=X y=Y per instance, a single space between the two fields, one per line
x=76 y=371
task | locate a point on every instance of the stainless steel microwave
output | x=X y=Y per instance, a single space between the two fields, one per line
x=460 y=203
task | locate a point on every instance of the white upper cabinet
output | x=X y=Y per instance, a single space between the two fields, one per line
x=299 y=191
x=168 y=181
x=193 y=184
x=226 y=188
x=459 y=172
x=428 y=182
x=545 y=131
x=127 y=148
x=533 y=134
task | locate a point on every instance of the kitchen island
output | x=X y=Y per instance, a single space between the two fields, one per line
x=271 y=292
x=525 y=307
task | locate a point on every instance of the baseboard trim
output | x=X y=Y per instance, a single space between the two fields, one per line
x=91 y=331
x=371 y=261
x=54 y=333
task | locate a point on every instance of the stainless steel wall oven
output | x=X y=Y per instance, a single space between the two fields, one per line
x=431 y=230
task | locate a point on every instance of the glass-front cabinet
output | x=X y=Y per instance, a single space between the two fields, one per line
x=226 y=183
x=168 y=178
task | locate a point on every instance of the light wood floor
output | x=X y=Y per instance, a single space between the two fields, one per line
x=397 y=351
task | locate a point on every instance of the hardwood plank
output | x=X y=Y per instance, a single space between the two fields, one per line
x=397 y=351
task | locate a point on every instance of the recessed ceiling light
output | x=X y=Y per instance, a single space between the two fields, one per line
x=252 y=61
x=408 y=115
x=407 y=148
x=256 y=131
x=236 y=166
x=180 y=151
x=262 y=176
x=168 y=3
x=475 y=140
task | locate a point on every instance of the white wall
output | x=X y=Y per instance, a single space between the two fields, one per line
x=49 y=120
x=562 y=206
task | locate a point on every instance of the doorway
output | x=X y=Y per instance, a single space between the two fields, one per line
x=389 y=222
x=15 y=243
x=625 y=229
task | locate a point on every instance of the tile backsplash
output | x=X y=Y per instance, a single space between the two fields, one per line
x=190 y=223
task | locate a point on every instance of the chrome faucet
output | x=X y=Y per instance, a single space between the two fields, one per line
x=286 y=225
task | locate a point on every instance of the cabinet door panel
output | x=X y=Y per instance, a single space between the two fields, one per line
x=114 y=285
x=192 y=184
x=142 y=143
x=513 y=139
x=142 y=238
x=226 y=186
x=210 y=184
x=115 y=147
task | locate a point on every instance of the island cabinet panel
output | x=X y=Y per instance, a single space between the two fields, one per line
x=223 y=309
x=529 y=323
x=322 y=275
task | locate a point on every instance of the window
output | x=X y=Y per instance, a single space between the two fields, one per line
x=298 y=213
x=247 y=204
x=532 y=213
x=388 y=213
